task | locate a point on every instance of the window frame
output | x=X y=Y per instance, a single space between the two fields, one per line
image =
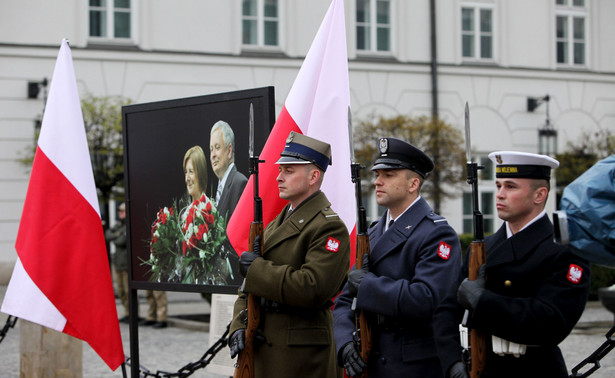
x=110 y=20
x=477 y=34
x=374 y=26
x=261 y=20
x=570 y=12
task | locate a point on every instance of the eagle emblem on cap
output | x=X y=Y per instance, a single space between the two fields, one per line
x=498 y=158
x=384 y=145
x=290 y=137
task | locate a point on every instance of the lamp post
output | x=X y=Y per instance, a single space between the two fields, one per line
x=547 y=135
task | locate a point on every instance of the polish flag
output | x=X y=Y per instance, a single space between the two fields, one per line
x=317 y=105
x=62 y=279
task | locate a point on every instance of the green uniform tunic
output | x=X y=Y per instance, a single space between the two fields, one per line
x=305 y=264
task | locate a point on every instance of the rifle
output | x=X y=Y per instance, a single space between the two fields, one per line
x=363 y=335
x=478 y=257
x=244 y=368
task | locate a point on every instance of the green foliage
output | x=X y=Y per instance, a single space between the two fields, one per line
x=601 y=276
x=581 y=154
x=438 y=139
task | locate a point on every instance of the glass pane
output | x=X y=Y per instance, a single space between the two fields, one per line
x=97 y=24
x=122 y=4
x=467 y=203
x=271 y=33
x=467 y=19
x=561 y=27
x=578 y=3
x=362 y=10
x=578 y=28
x=485 y=20
x=468 y=225
x=485 y=47
x=467 y=47
x=97 y=3
x=383 y=39
x=249 y=32
x=363 y=38
x=487 y=172
x=579 y=53
x=488 y=225
x=561 y=2
x=382 y=9
x=248 y=8
x=562 y=53
x=271 y=8
x=122 y=25
x=486 y=203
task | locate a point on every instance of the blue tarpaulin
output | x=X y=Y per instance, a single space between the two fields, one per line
x=589 y=204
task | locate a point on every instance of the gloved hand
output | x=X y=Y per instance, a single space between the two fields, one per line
x=458 y=370
x=351 y=360
x=470 y=291
x=247 y=257
x=237 y=342
x=356 y=276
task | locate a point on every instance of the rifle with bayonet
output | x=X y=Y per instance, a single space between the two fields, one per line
x=245 y=360
x=363 y=335
x=478 y=257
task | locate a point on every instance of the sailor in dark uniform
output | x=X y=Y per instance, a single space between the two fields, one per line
x=411 y=267
x=531 y=292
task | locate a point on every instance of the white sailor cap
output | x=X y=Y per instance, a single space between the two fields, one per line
x=513 y=164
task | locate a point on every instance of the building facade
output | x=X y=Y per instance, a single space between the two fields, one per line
x=406 y=57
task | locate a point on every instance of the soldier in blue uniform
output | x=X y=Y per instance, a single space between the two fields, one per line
x=411 y=266
x=531 y=292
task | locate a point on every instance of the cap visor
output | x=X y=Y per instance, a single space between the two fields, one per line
x=291 y=160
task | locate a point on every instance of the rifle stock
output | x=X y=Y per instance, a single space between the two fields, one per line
x=245 y=359
x=364 y=332
x=478 y=339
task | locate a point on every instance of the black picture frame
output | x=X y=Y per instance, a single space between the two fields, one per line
x=156 y=137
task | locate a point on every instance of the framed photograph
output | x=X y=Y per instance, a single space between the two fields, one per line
x=186 y=164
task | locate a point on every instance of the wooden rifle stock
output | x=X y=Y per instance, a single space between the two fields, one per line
x=363 y=328
x=362 y=324
x=245 y=359
x=478 y=339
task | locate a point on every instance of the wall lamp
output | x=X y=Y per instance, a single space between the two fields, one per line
x=547 y=135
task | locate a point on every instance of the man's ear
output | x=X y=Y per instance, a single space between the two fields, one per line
x=314 y=175
x=541 y=194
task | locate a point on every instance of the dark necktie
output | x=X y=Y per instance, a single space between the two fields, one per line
x=391 y=223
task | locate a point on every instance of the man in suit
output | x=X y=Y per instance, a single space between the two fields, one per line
x=231 y=182
x=414 y=254
x=304 y=263
x=531 y=292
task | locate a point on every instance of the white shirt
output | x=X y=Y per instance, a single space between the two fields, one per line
x=389 y=218
x=222 y=182
x=509 y=232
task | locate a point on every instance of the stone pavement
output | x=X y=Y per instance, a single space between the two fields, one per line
x=186 y=340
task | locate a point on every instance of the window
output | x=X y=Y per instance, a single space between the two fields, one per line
x=570 y=32
x=477 y=32
x=261 y=22
x=374 y=25
x=486 y=197
x=110 y=19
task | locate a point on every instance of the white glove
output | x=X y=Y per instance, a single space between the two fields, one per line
x=463 y=336
x=502 y=347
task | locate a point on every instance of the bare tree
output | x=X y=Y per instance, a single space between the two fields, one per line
x=438 y=139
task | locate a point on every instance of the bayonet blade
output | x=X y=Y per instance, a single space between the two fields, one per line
x=468 y=140
x=350 y=140
x=251 y=138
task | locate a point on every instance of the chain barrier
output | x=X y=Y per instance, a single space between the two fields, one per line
x=190 y=368
x=10 y=323
x=595 y=357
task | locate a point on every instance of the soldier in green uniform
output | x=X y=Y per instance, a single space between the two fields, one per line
x=306 y=254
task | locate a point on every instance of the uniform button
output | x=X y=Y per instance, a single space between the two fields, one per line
x=507 y=283
x=383 y=360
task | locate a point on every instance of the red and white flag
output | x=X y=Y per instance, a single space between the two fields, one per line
x=317 y=106
x=62 y=278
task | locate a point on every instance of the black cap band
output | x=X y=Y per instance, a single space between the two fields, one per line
x=523 y=171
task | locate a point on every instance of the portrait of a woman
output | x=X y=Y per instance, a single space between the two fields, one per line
x=195 y=172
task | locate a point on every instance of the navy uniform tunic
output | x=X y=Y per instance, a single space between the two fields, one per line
x=536 y=292
x=412 y=267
